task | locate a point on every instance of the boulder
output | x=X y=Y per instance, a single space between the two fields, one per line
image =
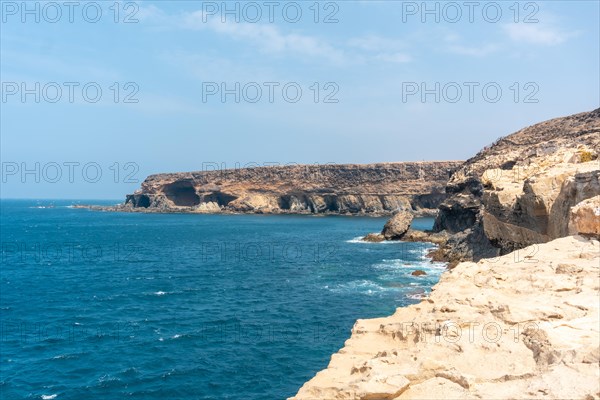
x=374 y=238
x=397 y=226
x=418 y=272
x=585 y=218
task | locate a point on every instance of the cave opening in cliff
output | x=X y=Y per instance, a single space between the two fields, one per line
x=222 y=199
x=182 y=194
x=285 y=202
x=143 y=201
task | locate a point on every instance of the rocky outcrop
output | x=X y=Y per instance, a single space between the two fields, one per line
x=397 y=226
x=317 y=189
x=374 y=238
x=538 y=210
x=520 y=190
x=585 y=218
x=521 y=326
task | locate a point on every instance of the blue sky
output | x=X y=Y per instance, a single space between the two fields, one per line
x=367 y=65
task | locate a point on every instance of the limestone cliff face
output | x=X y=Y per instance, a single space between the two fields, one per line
x=585 y=218
x=519 y=191
x=343 y=189
x=521 y=326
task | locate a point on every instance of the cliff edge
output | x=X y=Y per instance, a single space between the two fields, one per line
x=520 y=318
x=520 y=190
x=521 y=326
x=302 y=189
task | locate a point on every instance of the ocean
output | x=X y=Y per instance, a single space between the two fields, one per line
x=103 y=305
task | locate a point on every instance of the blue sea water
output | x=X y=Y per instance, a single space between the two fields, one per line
x=102 y=305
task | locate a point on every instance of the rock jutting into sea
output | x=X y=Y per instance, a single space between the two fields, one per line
x=519 y=317
x=521 y=326
x=397 y=226
x=521 y=190
x=374 y=189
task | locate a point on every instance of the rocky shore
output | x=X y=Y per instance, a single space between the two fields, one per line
x=521 y=326
x=369 y=189
x=518 y=314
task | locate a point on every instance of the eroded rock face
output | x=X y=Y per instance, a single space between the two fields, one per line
x=520 y=190
x=585 y=218
x=537 y=211
x=397 y=226
x=522 y=326
x=340 y=189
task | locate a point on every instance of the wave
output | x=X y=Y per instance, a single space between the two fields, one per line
x=407 y=265
x=417 y=296
x=65 y=356
x=358 y=239
x=362 y=286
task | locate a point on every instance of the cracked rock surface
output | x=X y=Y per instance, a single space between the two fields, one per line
x=524 y=325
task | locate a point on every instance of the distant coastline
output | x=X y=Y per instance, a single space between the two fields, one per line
x=346 y=189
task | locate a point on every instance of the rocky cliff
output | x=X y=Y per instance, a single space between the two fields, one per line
x=341 y=189
x=521 y=326
x=525 y=324
x=520 y=190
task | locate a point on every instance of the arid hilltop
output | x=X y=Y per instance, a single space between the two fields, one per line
x=338 y=189
x=519 y=191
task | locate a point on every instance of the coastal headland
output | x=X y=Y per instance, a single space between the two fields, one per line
x=349 y=189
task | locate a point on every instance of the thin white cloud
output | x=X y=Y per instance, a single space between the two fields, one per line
x=267 y=38
x=381 y=48
x=451 y=37
x=376 y=43
x=271 y=40
x=398 y=58
x=537 y=34
x=473 y=51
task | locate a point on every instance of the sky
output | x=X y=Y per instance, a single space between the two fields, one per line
x=98 y=95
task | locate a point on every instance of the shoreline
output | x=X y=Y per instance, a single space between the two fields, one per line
x=124 y=209
x=546 y=319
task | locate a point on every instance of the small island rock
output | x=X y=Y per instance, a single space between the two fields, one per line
x=397 y=226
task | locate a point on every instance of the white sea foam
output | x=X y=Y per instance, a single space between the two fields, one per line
x=160 y=293
x=49 y=396
x=417 y=296
x=358 y=239
x=403 y=266
x=362 y=286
